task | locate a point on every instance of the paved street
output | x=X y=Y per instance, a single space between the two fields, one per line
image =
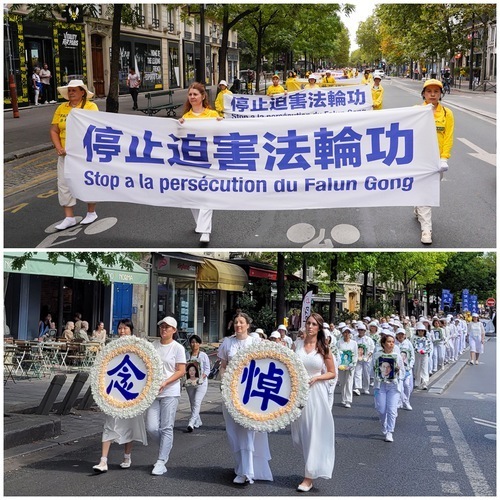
x=465 y=219
x=446 y=446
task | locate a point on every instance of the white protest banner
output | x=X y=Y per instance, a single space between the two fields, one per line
x=306 y=308
x=372 y=159
x=301 y=102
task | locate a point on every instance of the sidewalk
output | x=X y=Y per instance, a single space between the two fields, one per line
x=26 y=433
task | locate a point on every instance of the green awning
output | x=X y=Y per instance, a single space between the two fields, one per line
x=39 y=264
x=138 y=275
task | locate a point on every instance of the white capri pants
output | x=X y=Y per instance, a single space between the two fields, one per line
x=160 y=419
x=66 y=199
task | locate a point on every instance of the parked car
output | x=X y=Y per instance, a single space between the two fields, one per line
x=379 y=72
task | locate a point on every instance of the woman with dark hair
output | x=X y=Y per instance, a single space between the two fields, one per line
x=121 y=430
x=389 y=371
x=99 y=334
x=250 y=448
x=197 y=106
x=196 y=393
x=314 y=431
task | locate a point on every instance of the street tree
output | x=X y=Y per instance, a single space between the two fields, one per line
x=369 y=41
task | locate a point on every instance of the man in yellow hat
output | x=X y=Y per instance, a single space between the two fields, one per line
x=275 y=88
x=432 y=92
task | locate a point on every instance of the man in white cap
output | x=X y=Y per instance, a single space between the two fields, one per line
x=219 y=101
x=366 y=346
x=285 y=339
x=275 y=337
x=160 y=416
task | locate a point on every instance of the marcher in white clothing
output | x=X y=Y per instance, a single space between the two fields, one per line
x=160 y=416
x=314 y=431
x=197 y=392
x=250 y=448
x=363 y=369
x=408 y=356
x=476 y=333
x=347 y=365
x=438 y=336
x=285 y=338
x=422 y=348
x=387 y=385
x=122 y=430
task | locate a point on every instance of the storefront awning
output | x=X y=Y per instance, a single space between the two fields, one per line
x=39 y=264
x=138 y=275
x=217 y=275
x=254 y=272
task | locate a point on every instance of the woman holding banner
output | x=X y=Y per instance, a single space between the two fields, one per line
x=197 y=106
x=443 y=117
x=121 y=430
x=314 y=430
x=250 y=448
x=78 y=96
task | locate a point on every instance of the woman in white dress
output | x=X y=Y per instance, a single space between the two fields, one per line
x=250 y=448
x=476 y=332
x=197 y=392
x=314 y=431
x=122 y=430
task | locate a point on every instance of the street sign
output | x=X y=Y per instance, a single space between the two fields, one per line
x=490 y=302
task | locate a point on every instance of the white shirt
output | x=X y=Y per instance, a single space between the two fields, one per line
x=170 y=355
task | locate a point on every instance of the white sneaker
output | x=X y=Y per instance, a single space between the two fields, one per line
x=407 y=406
x=357 y=392
x=89 y=218
x=426 y=238
x=52 y=102
x=389 y=438
x=127 y=462
x=101 y=466
x=347 y=405
x=66 y=223
x=159 y=468
x=205 y=237
x=366 y=392
x=240 y=479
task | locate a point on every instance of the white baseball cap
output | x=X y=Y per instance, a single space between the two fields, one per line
x=169 y=321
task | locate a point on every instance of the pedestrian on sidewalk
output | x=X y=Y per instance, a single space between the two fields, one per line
x=196 y=392
x=133 y=84
x=389 y=371
x=77 y=95
x=45 y=78
x=197 y=106
x=160 y=416
x=37 y=85
x=122 y=430
x=432 y=93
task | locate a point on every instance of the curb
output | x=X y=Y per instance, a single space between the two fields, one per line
x=448 y=377
x=27 y=152
x=23 y=430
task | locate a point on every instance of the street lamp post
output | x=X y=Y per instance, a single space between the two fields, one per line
x=10 y=56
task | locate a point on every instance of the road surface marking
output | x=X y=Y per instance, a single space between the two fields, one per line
x=433 y=428
x=481 y=154
x=472 y=470
x=486 y=423
x=345 y=234
x=437 y=439
x=439 y=452
x=450 y=487
x=430 y=419
x=444 y=467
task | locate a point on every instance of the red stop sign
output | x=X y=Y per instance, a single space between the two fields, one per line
x=491 y=302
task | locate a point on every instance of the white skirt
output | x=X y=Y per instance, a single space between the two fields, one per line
x=125 y=430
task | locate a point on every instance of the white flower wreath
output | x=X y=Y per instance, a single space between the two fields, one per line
x=272 y=420
x=144 y=350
